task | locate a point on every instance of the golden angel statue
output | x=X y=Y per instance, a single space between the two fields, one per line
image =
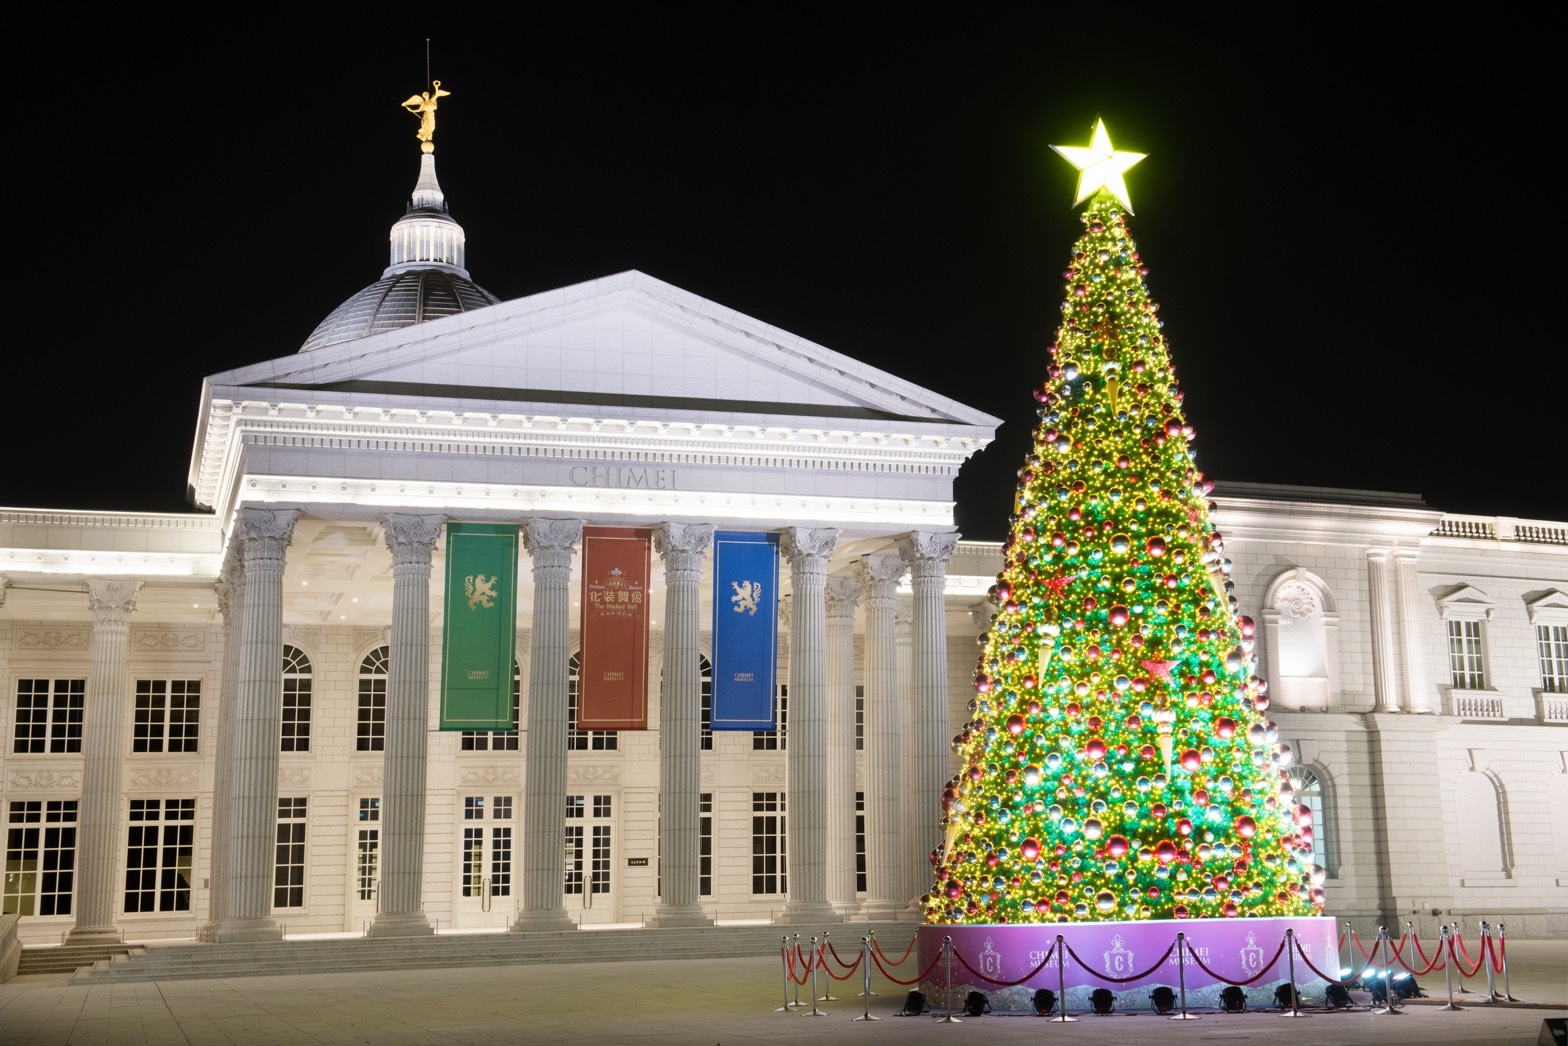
x=423 y=105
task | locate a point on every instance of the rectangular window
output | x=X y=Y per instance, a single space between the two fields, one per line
x=860 y=841
x=168 y=715
x=288 y=876
x=705 y=738
x=588 y=839
x=40 y=857
x=585 y=740
x=1552 y=643
x=1464 y=655
x=860 y=718
x=371 y=728
x=296 y=701
x=705 y=844
x=48 y=716
x=487 y=847
x=367 y=848
x=767 y=843
x=158 y=855
x=774 y=740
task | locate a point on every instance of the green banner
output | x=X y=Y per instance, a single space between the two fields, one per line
x=481 y=626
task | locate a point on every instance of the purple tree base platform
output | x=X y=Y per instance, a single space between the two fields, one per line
x=1141 y=955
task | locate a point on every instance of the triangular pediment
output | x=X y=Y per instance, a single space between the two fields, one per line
x=623 y=345
x=1549 y=608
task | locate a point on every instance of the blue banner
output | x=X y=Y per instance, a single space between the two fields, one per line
x=745 y=630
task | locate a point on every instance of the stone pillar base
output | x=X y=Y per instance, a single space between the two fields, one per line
x=679 y=915
x=94 y=935
x=542 y=919
x=232 y=930
x=401 y=924
x=881 y=911
x=808 y=912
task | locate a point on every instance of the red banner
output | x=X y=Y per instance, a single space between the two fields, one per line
x=612 y=689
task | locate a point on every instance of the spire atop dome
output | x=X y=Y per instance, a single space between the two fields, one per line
x=425 y=277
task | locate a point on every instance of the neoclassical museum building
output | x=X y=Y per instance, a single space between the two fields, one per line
x=223 y=724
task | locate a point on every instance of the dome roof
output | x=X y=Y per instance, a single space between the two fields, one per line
x=399 y=300
x=425 y=280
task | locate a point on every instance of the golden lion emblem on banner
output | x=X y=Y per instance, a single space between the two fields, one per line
x=746 y=595
x=480 y=590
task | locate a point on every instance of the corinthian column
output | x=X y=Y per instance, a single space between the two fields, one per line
x=412 y=541
x=927 y=555
x=843 y=592
x=682 y=546
x=230 y=588
x=879 y=575
x=550 y=542
x=251 y=824
x=103 y=749
x=808 y=552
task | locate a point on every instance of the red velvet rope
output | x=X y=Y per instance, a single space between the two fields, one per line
x=1342 y=935
x=1123 y=980
x=836 y=958
x=849 y=971
x=1462 y=949
x=1461 y=966
x=922 y=975
x=805 y=964
x=1497 y=953
x=1228 y=980
x=1432 y=965
x=1007 y=984
x=877 y=947
x=1364 y=953
x=1320 y=973
x=1415 y=939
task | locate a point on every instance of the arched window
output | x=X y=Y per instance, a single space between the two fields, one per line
x=1310 y=792
x=296 y=700
x=583 y=740
x=1301 y=642
x=499 y=740
x=371 y=729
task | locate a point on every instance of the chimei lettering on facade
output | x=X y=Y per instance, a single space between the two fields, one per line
x=622 y=476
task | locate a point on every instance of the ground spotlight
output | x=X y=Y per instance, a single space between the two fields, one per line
x=1286 y=997
x=1164 y=1000
x=1102 y=1000
x=1044 y=1001
x=1233 y=999
x=976 y=1004
x=1337 y=998
x=914 y=1004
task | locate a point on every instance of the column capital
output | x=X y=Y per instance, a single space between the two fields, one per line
x=927 y=553
x=542 y=535
x=411 y=536
x=264 y=524
x=1377 y=555
x=880 y=570
x=843 y=593
x=110 y=597
x=673 y=540
x=806 y=547
x=982 y=613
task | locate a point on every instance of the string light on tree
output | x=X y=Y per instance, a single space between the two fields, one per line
x=1117 y=763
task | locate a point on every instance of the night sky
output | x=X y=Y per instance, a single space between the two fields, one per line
x=1348 y=225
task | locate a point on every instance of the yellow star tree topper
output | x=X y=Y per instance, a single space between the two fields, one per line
x=1118 y=762
x=1100 y=166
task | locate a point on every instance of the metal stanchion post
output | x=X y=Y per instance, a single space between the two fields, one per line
x=947 y=952
x=797 y=1001
x=865 y=961
x=1295 y=997
x=1444 y=942
x=1388 y=984
x=1502 y=953
x=816 y=957
x=1061 y=982
x=1486 y=960
x=1339 y=952
x=1181 y=978
x=828 y=987
x=873 y=944
x=1453 y=938
x=784 y=961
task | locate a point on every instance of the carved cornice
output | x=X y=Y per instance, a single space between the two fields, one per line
x=808 y=550
x=676 y=542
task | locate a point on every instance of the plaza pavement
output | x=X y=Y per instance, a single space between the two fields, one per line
x=694 y=1002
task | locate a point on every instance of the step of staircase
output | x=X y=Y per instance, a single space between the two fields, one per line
x=65 y=958
x=189 y=960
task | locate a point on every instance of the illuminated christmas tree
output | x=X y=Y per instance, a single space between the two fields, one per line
x=1116 y=764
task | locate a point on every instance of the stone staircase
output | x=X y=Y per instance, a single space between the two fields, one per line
x=66 y=958
x=187 y=960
